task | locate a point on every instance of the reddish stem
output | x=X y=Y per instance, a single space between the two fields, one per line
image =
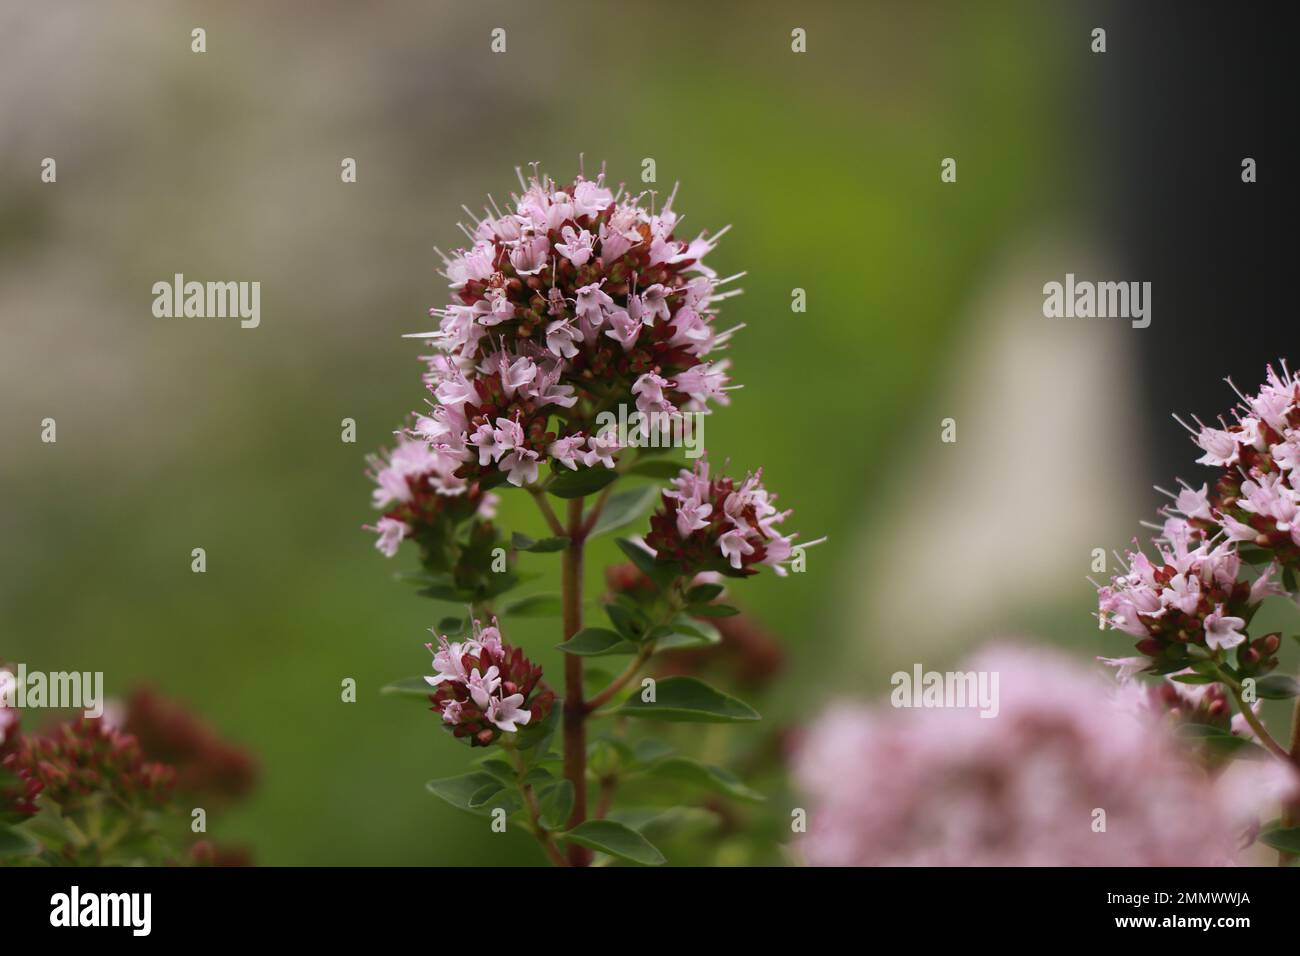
x=575 y=713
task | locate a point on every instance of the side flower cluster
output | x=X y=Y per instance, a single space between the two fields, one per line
x=87 y=757
x=485 y=687
x=1255 y=501
x=1190 y=594
x=1194 y=592
x=203 y=762
x=713 y=524
x=416 y=487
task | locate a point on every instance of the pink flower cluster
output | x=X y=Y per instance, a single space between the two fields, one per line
x=1190 y=595
x=1255 y=502
x=576 y=299
x=945 y=787
x=415 y=486
x=711 y=524
x=1202 y=703
x=1195 y=592
x=486 y=687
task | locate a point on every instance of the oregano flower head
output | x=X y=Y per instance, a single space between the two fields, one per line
x=1255 y=501
x=711 y=523
x=485 y=687
x=88 y=757
x=574 y=297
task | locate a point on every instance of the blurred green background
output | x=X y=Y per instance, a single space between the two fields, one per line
x=176 y=434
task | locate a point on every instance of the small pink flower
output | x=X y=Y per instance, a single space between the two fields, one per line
x=1220 y=447
x=567 y=451
x=692 y=516
x=735 y=547
x=560 y=339
x=483 y=686
x=520 y=467
x=1221 y=631
x=447 y=663
x=508 y=713
x=577 y=245
x=649 y=392
x=601 y=449
x=391 y=532
x=624 y=329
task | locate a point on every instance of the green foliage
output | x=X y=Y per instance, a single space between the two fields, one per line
x=688 y=700
x=615 y=839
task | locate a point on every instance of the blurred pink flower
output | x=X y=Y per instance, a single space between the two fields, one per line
x=944 y=787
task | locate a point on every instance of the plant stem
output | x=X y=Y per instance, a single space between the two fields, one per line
x=1257 y=725
x=1291 y=810
x=575 y=713
x=534 y=817
x=548 y=512
x=617 y=683
x=607 y=787
x=594 y=515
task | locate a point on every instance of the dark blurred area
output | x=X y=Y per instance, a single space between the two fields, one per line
x=1190 y=91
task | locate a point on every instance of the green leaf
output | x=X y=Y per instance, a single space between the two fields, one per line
x=624 y=508
x=449 y=592
x=712 y=610
x=1220 y=742
x=660 y=572
x=1277 y=687
x=498 y=584
x=595 y=641
x=533 y=605
x=15 y=842
x=650 y=749
x=677 y=637
x=687 y=700
x=461 y=791
x=615 y=839
x=500 y=770
x=534 y=740
x=580 y=483
x=703 y=629
x=672 y=820
x=538 y=777
x=627 y=622
x=409 y=687
x=1193 y=679
x=1255 y=555
x=707 y=776
x=483 y=794
x=557 y=804
x=422 y=578
x=1285 y=839
x=703 y=593
x=521 y=542
x=453 y=626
